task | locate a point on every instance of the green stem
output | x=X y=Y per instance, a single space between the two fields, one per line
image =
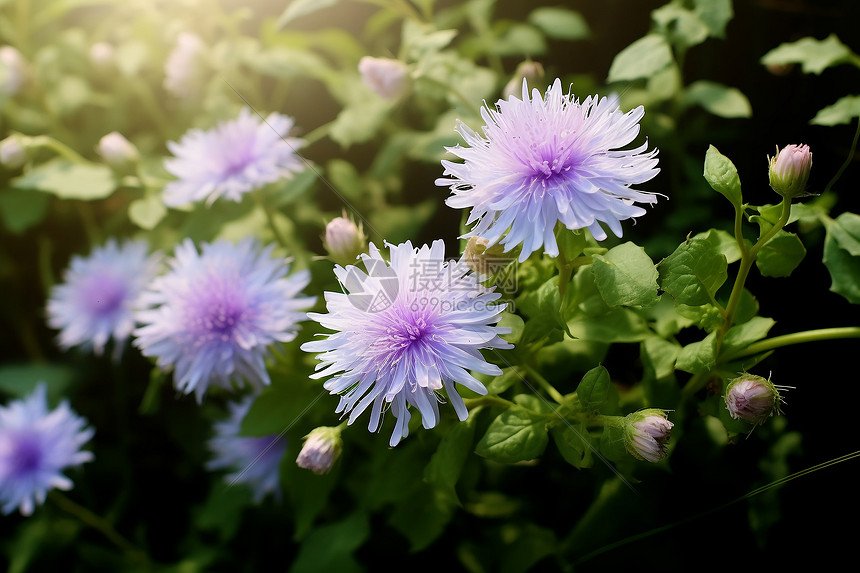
x=796 y=338
x=544 y=383
x=317 y=134
x=91 y=519
x=488 y=400
x=60 y=148
x=848 y=159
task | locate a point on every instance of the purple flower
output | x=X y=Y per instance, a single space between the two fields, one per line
x=232 y=159
x=753 y=398
x=403 y=332
x=254 y=461
x=549 y=160
x=215 y=315
x=36 y=445
x=321 y=450
x=97 y=298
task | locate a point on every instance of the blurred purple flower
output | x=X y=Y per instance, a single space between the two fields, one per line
x=404 y=331
x=96 y=300
x=36 y=445
x=254 y=461
x=548 y=160
x=215 y=315
x=231 y=159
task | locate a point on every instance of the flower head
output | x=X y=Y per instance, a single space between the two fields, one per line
x=646 y=434
x=96 y=300
x=549 y=160
x=752 y=398
x=215 y=315
x=387 y=78
x=36 y=445
x=253 y=461
x=789 y=170
x=344 y=240
x=405 y=330
x=232 y=159
x=321 y=450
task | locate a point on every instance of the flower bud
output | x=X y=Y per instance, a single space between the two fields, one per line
x=102 y=55
x=321 y=450
x=387 y=78
x=752 y=398
x=646 y=434
x=184 y=66
x=483 y=259
x=118 y=152
x=13 y=152
x=789 y=170
x=344 y=240
x=13 y=70
x=528 y=70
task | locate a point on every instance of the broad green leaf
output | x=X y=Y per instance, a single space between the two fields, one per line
x=420 y=40
x=515 y=323
x=279 y=407
x=69 y=180
x=446 y=464
x=618 y=325
x=570 y=243
x=543 y=309
x=846 y=231
x=20 y=209
x=722 y=176
x=594 y=389
x=725 y=243
x=147 y=211
x=435 y=509
x=20 y=380
x=297 y=8
x=698 y=356
x=718 y=99
x=705 y=316
x=659 y=355
x=518 y=39
x=715 y=14
x=71 y=93
x=330 y=547
x=359 y=121
x=535 y=403
x=680 y=25
x=515 y=435
x=813 y=55
x=288 y=63
x=694 y=272
x=641 y=59
x=559 y=23
x=843 y=266
x=780 y=255
x=742 y=335
x=626 y=276
x=572 y=445
x=843 y=111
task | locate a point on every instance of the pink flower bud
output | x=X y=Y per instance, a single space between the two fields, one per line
x=646 y=434
x=321 y=450
x=752 y=398
x=344 y=240
x=13 y=153
x=13 y=70
x=789 y=170
x=387 y=78
x=528 y=70
x=184 y=65
x=117 y=151
x=102 y=55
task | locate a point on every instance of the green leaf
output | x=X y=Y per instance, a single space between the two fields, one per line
x=813 y=55
x=618 y=325
x=517 y=39
x=308 y=492
x=780 y=255
x=279 y=407
x=559 y=23
x=360 y=119
x=843 y=111
x=846 y=232
x=330 y=547
x=725 y=243
x=626 y=276
x=722 y=176
x=742 y=335
x=594 y=389
x=446 y=464
x=718 y=99
x=844 y=267
x=570 y=243
x=147 y=212
x=694 y=272
x=641 y=59
x=298 y=8
x=222 y=510
x=20 y=209
x=659 y=355
x=517 y=434
x=531 y=544
x=20 y=380
x=69 y=180
x=705 y=316
x=420 y=40
x=435 y=510
x=699 y=356
x=715 y=14
x=572 y=445
x=543 y=309
x=680 y=25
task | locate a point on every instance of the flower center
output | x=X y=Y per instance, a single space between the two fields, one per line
x=104 y=294
x=216 y=314
x=26 y=455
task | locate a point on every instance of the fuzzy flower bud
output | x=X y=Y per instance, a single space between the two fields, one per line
x=484 y=259
x=118 y=152
x=789 y=170
x=752 y=398
x=387 y=78
x=13 y=153
x=646 y=434
x=529 y=70
x=321 y=450
x=13 y=70
x=344 y=240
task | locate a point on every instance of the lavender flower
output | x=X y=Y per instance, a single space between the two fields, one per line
x=549 y=160
x=254 y=461
x=97 y=298
x=404 y=331
x=215 y=315
x=232 y=159
x=321 y=450
x=36 y=445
